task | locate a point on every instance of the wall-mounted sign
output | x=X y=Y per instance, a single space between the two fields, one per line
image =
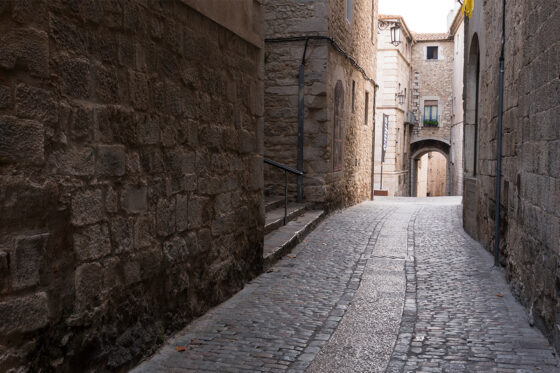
x=385 y=136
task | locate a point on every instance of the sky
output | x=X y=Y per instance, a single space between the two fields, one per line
x=420 y=15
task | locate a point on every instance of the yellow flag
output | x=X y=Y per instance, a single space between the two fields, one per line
x=468 y=6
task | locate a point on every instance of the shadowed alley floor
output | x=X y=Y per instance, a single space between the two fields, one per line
x=392 y=285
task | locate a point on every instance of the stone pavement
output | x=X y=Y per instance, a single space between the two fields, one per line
x=391 y=285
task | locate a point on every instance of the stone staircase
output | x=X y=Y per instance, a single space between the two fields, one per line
x=279 y=239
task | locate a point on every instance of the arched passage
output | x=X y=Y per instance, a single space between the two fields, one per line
x=422 y=147
x=472 y=86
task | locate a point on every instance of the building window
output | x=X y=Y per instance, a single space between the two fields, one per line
x=432 y=53
x=367 y=109
x=431 y=114
x=338 y=127
x=349 y=10
x=353 y=94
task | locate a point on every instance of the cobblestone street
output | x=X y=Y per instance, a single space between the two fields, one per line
x=392 y=285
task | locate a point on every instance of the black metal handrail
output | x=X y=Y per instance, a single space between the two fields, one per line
x=286 y=169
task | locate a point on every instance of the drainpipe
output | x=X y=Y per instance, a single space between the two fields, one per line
x=301 y=117
x=301 y=85
x=499 y=145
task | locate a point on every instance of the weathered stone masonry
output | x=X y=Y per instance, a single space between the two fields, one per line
x=324 y=183
x=130 y=176
x=530 y=188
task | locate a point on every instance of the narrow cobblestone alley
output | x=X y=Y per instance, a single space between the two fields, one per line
x=393 y=285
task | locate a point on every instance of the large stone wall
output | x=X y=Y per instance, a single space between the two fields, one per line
x=323 y=68
x=530 y=188
x=358 y=39
x=130 y=177
x=282 y=61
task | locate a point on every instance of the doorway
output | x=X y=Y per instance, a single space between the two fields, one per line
x=432 y=175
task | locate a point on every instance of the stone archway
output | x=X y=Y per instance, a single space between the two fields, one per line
x=422 y=147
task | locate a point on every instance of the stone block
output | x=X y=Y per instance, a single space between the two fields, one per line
x=106 y=85
x=121 y=234
x=24 y=314
x=67 y=36
x=111 y=200
x=21 y=141
x=198 y=214
x=92 y=242
x=224 y=224
x=110 y=160
x=142 y=233
x=28 y=48
x=82 y=125
x=165 y=216
x=139 y=90
x=180 y=161
x=87 y=207
x=175 y=250
x=182 y=212
x=191 y=182
x=35 y=103
x=132 y=272
x=151 y=161
x=223 y=203
x=75 y=74
x=74 y=161
x=5 y=97
x=88 y=282
x=147 y=129
x=27 y=260
x=135 y=198
x=126 y=51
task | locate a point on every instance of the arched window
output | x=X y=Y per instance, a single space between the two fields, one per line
x=338 y=127
x=472 y=84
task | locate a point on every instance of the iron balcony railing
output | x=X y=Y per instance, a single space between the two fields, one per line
x=286 y=169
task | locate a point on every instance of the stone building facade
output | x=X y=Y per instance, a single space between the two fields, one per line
x=530 y=185
x=432 y=92
x=457 y=29
x=130 y=173
x=336 y=40
x=394 y=69
x=427 y=69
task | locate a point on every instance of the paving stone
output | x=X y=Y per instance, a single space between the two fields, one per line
x=394 y=285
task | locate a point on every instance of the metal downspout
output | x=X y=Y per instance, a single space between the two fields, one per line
x=499 y=145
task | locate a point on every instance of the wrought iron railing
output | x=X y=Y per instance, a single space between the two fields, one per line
x=286 y=169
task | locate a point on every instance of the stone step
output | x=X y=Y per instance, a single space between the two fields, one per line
x=273 y=202
x=281 y=241
x=275 y=218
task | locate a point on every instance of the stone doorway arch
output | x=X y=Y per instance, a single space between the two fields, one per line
x=420 y=147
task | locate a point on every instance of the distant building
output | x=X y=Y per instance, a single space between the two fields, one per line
x=394 y=71
x=529 y=205
x=421 y=97
x=336 y=41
